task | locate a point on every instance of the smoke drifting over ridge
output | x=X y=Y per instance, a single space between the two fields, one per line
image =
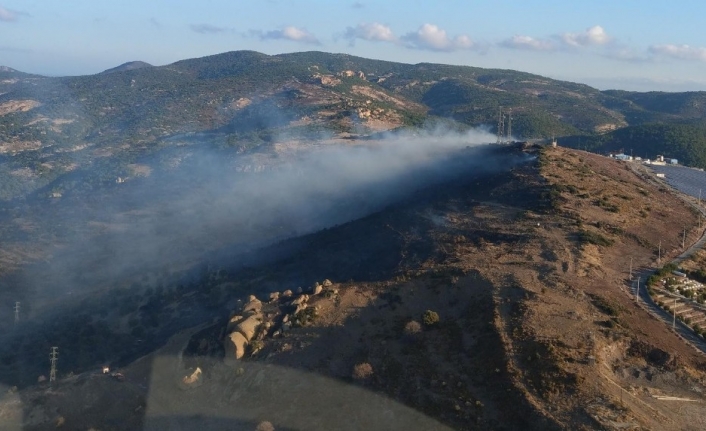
x=172 y=218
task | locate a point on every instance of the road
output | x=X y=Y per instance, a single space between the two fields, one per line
x=646 y=301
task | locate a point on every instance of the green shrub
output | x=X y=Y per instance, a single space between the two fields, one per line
x=430 y=318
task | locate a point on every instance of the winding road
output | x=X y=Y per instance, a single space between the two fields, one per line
x=645 y=300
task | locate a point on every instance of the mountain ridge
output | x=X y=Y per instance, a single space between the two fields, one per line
x=246 y=101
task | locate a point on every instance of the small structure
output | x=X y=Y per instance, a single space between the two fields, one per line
x=106 y=369
x=660 y=175
x=679 y=274
x=623 y=157
x=673 y=161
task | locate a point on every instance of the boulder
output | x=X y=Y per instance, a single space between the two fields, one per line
x=317 y=289
x=301 y=300
x=287 y=293
x=235 y=346
x=233 y=322
x=327 y=283
x=249 y=326
x=274 y=296
x=300 y=307
x=193 y=380
x=299 y=290
x=253 y=306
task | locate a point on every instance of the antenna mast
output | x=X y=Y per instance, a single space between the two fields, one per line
x=53 y=358
x=501 y=126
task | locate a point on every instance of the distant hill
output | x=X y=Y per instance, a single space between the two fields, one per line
x=241 y=100
x=683 y=141
x=132 y=65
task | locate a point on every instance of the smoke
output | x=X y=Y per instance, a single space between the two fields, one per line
x=197 y=202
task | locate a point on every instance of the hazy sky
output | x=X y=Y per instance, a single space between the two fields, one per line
x=629 y=44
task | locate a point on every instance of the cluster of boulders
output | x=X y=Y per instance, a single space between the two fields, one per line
x=256 y=320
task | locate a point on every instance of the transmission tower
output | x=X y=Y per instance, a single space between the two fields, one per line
x=53 y=358
x=17 y=313
x=509 y=125
x=501 y=127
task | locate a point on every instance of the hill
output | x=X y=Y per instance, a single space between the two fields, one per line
x=131 y=65
x=685 y=142
x=53 y=128
x=533 y=324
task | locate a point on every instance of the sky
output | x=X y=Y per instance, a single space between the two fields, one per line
x=610 y=44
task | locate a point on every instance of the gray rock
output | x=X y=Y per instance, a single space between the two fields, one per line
x=299 y=289
x=287 y=293
x=274 y=296
x=327 y=283
x=317 y=289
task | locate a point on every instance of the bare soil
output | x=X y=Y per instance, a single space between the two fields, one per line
x=528 y=273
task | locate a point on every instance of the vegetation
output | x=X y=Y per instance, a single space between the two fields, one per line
x=683 y=141
x=430 y=318
x=588 y=237
x=242 y=100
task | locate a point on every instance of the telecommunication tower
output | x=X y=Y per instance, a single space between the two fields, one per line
x=501 y=127
x=53 y=358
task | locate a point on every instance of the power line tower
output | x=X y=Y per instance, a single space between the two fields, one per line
x=53 y=358
x=17 y=313
x=509 y=125
x=501 y=126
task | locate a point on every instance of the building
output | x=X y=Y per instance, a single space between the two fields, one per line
x=673 y=161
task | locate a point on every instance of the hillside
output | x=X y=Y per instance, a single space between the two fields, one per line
x=526 y=272
x=685 y=142
x=54 y=129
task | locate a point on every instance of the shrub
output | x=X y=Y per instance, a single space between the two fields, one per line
x=412 y=327
x=594 y=238
x=430 y=318
x=362 y=371
x=265 y=426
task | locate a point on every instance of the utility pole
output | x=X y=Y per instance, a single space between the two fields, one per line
x=53 y=358
x=631 y=269
x=637 y=291
x=17 y=313
x=659 y=253
x=501 y=126
x=683 y=239
x=674 y=320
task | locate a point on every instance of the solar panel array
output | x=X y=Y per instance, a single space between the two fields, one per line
x=686 y=180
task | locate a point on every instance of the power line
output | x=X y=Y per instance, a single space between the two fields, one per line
x=53 y=358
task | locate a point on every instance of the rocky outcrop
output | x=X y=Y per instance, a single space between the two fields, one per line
x=235 y=346
x=255 y=321
x=248 y=327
